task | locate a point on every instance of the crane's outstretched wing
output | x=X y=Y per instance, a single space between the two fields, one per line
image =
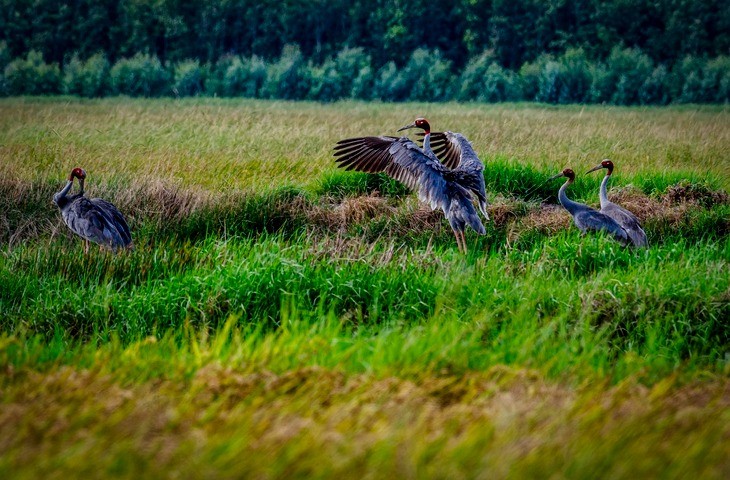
x=402 y=160
x=590 y=219
x=454 y=149
x=628 y=222
x=116 y=217
x=448 y=153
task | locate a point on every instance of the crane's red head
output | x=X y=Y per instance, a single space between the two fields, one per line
x=565 y=173
x=607 y=164
x=421 y=123
x=77 y=172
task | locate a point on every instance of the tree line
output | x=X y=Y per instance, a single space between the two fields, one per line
x=558 y=51
x=516 y=32
x=627 y=77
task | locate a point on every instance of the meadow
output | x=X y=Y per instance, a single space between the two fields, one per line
x=279 y=318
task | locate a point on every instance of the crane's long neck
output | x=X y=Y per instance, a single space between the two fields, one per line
x=60 y=198
x=427 y=141
x=569 y=204
x=602 y=195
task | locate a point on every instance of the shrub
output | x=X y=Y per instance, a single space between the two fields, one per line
x=244 y=77
x=214 y=84
x=32 y=76
x=326 y=82
x=89 y=78
x=353 y=66
x=4 y=60
x=471 y=81
x=428 y=76
x=655 y=90
x=140 y=76
x=575 y=76
x=703 y=81
x=288 y=78
x=189 y=78
x=628 y=69
x=390 y=84
x=499 y=85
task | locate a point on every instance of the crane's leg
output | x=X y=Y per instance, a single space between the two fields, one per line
x=463 y=241
x=86 y=247
x=458 y=240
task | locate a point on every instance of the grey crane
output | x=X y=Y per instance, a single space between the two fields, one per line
x=455 y=152
x=451 y=190
x=94 y=219
x=623 y=217
x=585 y=217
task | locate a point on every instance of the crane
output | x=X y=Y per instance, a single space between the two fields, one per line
x=451 y=190
x=623 y=217
x=455 y=152
x=585 y=217
x=94 y=220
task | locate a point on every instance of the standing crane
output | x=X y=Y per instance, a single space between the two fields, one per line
x=586 y=218
x=455 y=152
x=451 y=190
x=94 y=220
x=623 y=217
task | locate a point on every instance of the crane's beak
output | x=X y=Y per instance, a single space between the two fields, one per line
x=556 y=176
x=597 y=167
x=412 y=125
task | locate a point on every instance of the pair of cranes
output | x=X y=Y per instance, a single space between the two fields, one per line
x=446 y=173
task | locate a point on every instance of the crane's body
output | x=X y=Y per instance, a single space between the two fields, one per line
x=450 y=189
x=94 y=220
x=587 y=218
x=623 y=217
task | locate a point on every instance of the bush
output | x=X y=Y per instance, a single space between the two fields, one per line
x=32 y=76
x=4 y=60
x=354 y=68
x=140 y=76
x=390 y=84
x=655 y=90
x=575 y=76
x=471 y=81
x=89 y=78
x=189 y=78
x=326 y=82
x=288 y=78
x=500 y=85
x=628 y=69
x=703 y=81
x=428 y=76
x=244 y=77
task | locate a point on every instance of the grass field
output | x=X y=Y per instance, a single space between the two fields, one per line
x=282 y=319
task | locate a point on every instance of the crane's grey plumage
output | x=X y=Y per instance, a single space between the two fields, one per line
x=623 y=217
x=94 y=220
x=586 y=218
x=451 y=190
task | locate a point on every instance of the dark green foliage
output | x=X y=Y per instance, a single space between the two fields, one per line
x=189 y=78
x=140 y=76
x=32 y=76
x=89 y=78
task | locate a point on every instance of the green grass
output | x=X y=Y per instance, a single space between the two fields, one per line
x=279 y=318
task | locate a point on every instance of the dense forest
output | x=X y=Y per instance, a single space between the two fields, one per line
x=556 y=51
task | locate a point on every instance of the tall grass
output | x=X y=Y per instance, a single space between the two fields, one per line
x=275 y=307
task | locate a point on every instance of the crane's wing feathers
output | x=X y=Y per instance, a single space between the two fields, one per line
x=401 y=159
x=447 y=151
x=589 y=219
x=116 y=218
x=628 y=222
x=364 y=154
